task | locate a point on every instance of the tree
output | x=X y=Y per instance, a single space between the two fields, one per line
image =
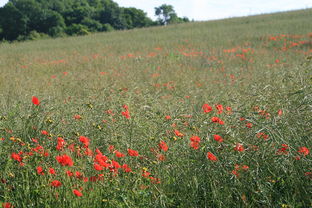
x=164 y=13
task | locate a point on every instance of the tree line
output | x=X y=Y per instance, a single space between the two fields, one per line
x=32 y=19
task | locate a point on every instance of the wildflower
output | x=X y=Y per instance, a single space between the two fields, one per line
x=167 y=117
x=283 y=150
x=7 y=205
x=304 y=150
x=163 y=146
x=52 y=171
x=248 y=125
x=35 y=100
x=161 y=157
x=195 y=142
x=211 y=156
x=280 y=112
x=126 y=168
x=84 y=140
x=97 y=167
x=111 y=148
x=60 y=143
x=239 y=147
x=178 y=133
x=218 y=138
x=119 y=154
x=217 y=120
x=126 y=114
x=132 y=152
x=44 y=132
x=77 y=193
x=69 y=173
x=219 y=108
x=64 y=160
x=16 y=157
x=77 y=117
x=206 y=108
x=40 y=170
x=229 y=110
x=56 y=183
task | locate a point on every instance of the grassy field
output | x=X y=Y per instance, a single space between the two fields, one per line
x=204 y=114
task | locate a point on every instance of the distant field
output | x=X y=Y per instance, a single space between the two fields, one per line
x=203 y=114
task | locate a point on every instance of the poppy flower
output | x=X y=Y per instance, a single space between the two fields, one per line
x=218 y=138
x=40 y=170
x=77 y=193
x=219 y=108
x=178 y=133
x=7 y=205
x=64 y=160
x=211 y=157
x=132 y=152
x=52 y=171
x=97 y=167
x=239 y=147
x=163 y=146
x=206 y=108
x=35 y=100
x=119 y=154
x=304 y=150
x=84 y=140
x=56 y=183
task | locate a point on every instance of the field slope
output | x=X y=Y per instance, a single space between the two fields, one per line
x=204 y=114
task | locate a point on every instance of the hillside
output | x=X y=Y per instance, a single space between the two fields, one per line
x=203 y=114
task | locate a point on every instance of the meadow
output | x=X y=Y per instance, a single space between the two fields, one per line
x=203 y=114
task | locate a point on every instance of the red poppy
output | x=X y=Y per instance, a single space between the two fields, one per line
x=16 y=157
x=218 y=138
x=283 y=149
x=40 y=170
x=132 y=152
x=77 y=193
x=126 y=114
x=217 y=120
x=64 y=160
x=84 y=140
x=44 y=132
x=178 y=133
x=97 y=167
x=304 y=150
x=248 y=125
x=211 y=156
x=126 y=168
x=162 y=145
x=195 y=142
x=7 y=205
x=206 y=108
x=119 y=154
x=56 y=183
x=219 y=108
x=60 y=143
x=239 y=147
x=35 y=100
x=167 y=117
x=194 y=145
x=51 y=171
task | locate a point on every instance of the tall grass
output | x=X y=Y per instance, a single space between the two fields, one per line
x=259 y=67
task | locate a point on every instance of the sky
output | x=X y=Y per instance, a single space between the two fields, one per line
x=214 y=9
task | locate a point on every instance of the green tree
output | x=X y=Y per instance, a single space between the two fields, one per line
x=12 y=22
x=164 y=13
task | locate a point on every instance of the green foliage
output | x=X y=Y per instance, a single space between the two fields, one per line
x=19 y=18
x=77 y=29
x=167 y=15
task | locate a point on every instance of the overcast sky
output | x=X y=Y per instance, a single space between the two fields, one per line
x=214 y=9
